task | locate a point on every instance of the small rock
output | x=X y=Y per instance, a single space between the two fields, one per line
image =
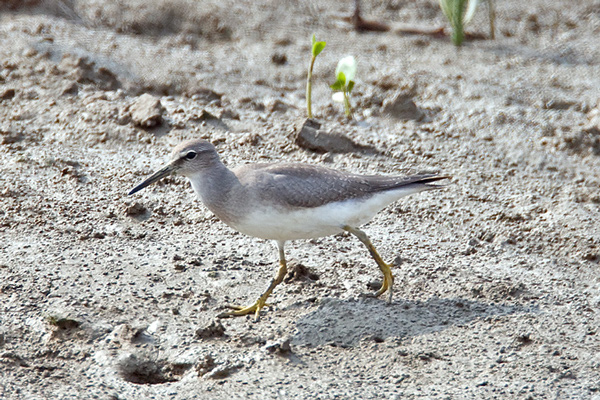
x=249 y=102
x=387 y=82
x=142 y=369
x=14 y=359
x=374 y=285
x=31 y=94
x=10 y=137
x=585 y=141
x=558 y=104
x=203 y=116
x=210 y=119
x=230 y=114
x=277 y=106
x=308 y=136
x=179 y=266
x=85 y=71
x=524 y=339
x=128 y=333
x=473 y=242
x=283 y=41
x=29 y=52
x=593 y=125
x=208 y=367
x=197 y=262
x=223 y=371
x=215 y=329
x=206 y=95
x=399 y=260
x=299 y=272
x=147 y=111
x=401 y=107
x=251 y=139
x=70 y=88
x=279 y=59
x=136 y=209
x=468 y=251
x=281 y=347
x=205 y=365
x=64 y=323
x=531 y=23
x=7 y=94
x=62 y=326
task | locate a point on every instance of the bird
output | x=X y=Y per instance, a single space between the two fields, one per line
x=288 y=201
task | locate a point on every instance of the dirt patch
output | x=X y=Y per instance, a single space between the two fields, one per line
x=496 y=276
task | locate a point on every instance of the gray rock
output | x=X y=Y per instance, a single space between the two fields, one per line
x=281 y=346
x=277 y=105
x=147 y=111
x=70 y=88
x=7 y=94
x=401 y=107
x=215 y=329
x=310 y=137
x=205 y=95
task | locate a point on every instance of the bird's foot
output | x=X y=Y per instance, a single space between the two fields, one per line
x=387 y=284
x=245 y=310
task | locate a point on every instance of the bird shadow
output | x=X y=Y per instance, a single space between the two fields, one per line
x=563 y=56
x=345 y=323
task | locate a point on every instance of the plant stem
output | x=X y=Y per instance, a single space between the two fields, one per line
x=309 y=87
x=458 y=34
x=492 y=17
x=347 y=107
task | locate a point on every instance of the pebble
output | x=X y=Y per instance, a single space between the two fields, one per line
x=215 y=329
x=401 y=107
x=310 y=137
x=7 y=94
x=147 y=111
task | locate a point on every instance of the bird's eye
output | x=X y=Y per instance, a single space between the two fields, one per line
x=191 y=155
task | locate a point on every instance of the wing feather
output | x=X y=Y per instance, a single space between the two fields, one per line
x=307 y=186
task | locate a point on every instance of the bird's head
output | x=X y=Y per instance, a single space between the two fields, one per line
x=187 y=159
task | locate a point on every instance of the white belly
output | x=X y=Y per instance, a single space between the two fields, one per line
x=305 y=223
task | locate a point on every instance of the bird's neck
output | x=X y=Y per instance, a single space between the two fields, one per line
x=214 y=186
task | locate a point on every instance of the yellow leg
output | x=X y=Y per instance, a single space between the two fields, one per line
x=388 y=278
x=262 y=300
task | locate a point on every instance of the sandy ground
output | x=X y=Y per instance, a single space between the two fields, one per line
x=114 y=297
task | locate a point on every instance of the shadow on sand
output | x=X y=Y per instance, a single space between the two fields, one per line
x=346 y=322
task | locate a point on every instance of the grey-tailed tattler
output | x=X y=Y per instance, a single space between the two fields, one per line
x=287 y=201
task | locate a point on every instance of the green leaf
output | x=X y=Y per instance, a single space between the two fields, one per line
x=455 y=12
x=341 y=77
x=338 y=86
x=318 y=48
x=350 y=86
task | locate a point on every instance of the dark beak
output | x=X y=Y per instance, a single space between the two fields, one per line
x=158 y=175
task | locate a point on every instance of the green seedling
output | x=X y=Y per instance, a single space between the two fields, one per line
x=317 y=48
x=454 y=10
x=460 y=12
x=492 y=18
x=344 y=73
